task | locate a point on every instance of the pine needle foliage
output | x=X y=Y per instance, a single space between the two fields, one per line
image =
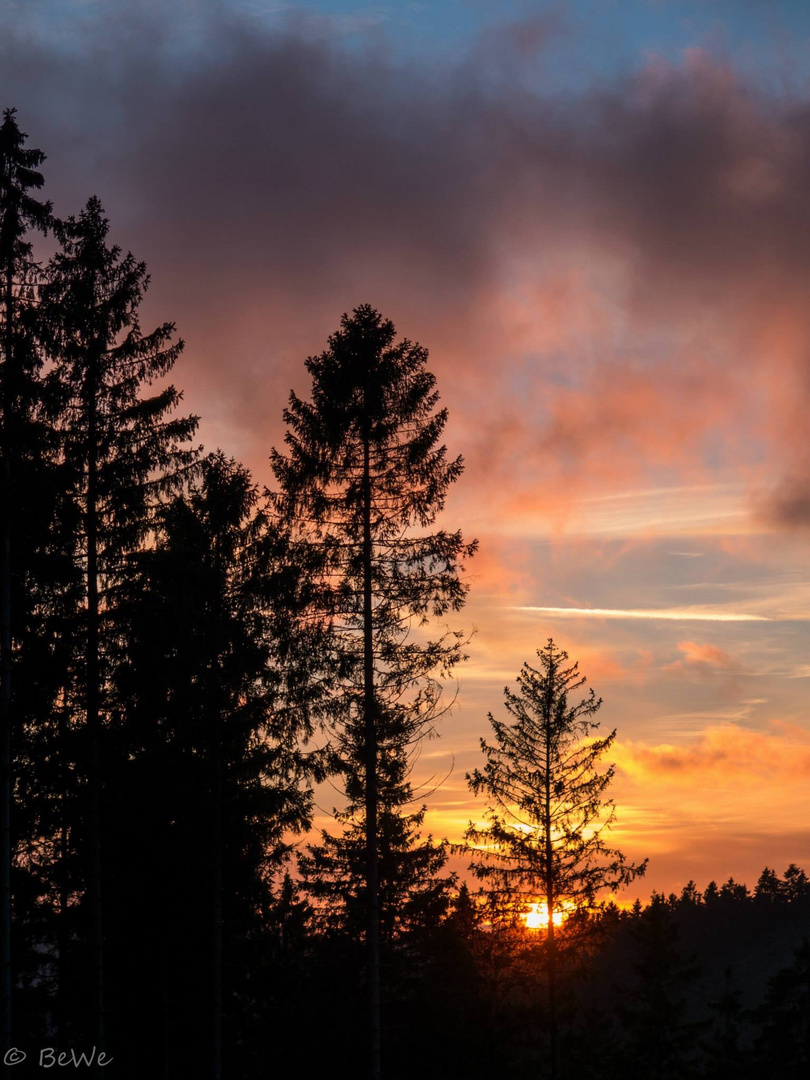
x=124 y=451
x=363 y=480
x=364 y=477
x=21 y=445
x=547 y=823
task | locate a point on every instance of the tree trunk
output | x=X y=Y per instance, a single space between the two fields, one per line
x=5 y=679
x=372 y=859
x=551 y=898
x=93 y=718
x=216 y=951
x=62 y=936
x=552 y=999
x=165 y=1070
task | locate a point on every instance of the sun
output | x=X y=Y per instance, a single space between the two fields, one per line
x=536 y=917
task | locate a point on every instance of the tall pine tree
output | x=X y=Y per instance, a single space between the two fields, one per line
x=213 y=783
x=363 y=480
x=125 y=451
x=20 y=211
x=547 y=822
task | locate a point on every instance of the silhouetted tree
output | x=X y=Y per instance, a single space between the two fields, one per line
x=796 y=884
x=125 y=451
x=783 y=1048
x=365 y=475
x=726 y=1059
x=20 y=212
x=769 y=889
x=733 y=891
x=214 y=782
x=711 y=894
x=544 y=838
x=654 y=1007
x=690 y=895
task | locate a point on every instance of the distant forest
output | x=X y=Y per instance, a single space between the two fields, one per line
x=185 y=655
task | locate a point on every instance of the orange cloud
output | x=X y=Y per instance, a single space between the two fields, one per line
x=500 y=568
x=725 y=754
x=703 y=659
x=730 y=801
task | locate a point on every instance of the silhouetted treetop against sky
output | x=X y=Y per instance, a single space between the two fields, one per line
x=22 y=443
x=19 y=209
x=365 y=475
x=367 y=386
x=548 y=815
x=364 y=453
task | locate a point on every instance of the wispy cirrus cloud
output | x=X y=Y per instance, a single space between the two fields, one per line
x=666 y=614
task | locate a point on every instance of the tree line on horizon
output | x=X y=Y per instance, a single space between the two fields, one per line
x=184 y=655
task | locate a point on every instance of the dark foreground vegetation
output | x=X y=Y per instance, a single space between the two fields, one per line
x=708 y=985
x=184 y=655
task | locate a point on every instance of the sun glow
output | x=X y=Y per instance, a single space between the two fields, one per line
x=537 y=916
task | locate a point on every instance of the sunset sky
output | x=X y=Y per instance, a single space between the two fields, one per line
x=595 y=215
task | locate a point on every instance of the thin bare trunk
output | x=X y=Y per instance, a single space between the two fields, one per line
x=62 y=938
x=164 y=1011
x=551 y=898
x=93 y=718
x=216 y=1003
x=62 y=927
x=552 y=1000
x=372 y=857
x=5 y=678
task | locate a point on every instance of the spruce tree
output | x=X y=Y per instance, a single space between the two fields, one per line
x=545 y=838
x=214 y=783
x=124 y=452
x=796 y=885
x=20 y=211
x=769 y=889
x=783 y=1043
x=725 y=1056
x=363 y=480
x=662 y=1039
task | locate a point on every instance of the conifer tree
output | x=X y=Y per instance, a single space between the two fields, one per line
x=663 y=1038
x=796 y=884
x=734 y=892
x=545 y=838
x=20 y=211
x=711 y=894
x=364 y=478
x=769 y=889
x=214 y=782
x=726 y=1058
x=124 y=451
x=783 y=1045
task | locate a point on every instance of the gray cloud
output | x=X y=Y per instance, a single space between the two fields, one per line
x=274 y=178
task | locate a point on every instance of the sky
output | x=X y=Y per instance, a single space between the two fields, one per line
x=594 y=215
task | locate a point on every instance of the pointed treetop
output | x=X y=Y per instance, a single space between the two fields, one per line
x=19 y=211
